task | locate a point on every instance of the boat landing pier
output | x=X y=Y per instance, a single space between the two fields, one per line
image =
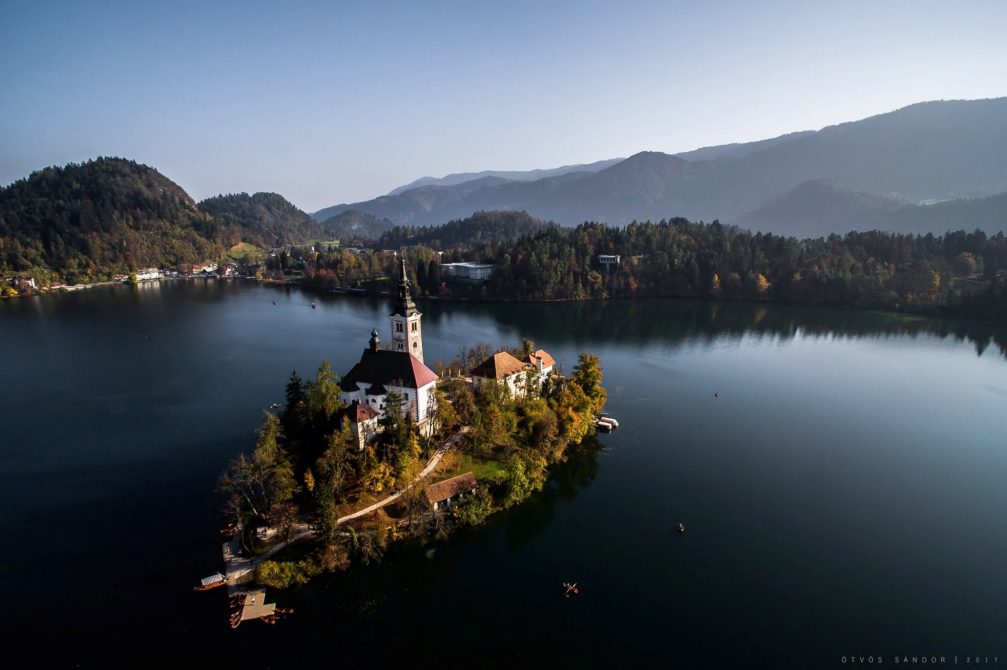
x=255 y=606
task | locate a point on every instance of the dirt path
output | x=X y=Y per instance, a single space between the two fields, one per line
x=239 y=570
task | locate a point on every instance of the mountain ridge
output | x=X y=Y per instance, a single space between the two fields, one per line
x=934 y=150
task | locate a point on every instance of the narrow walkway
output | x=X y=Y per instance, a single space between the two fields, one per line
x=239 y=570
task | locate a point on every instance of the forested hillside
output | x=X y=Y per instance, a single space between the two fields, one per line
x=85 y=222
x=354 y=226
x=263 y=219
x=958 y=272
x=478 y=229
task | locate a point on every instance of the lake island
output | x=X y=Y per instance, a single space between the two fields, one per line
x=395 y=451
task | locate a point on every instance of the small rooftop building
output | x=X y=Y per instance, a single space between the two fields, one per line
x=444 y=493
x=24 y=283
x=363 y=421
x=609 y=259
x=543 y=363
x=503 y=368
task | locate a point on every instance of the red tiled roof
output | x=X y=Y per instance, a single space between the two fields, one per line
x=449 y=488
x=358 y=411
x=498 y=366
x=547 y=360
x=388 y=368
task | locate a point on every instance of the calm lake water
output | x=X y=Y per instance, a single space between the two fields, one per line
x=844 y=495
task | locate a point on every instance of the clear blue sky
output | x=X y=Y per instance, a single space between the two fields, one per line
x=334 y=102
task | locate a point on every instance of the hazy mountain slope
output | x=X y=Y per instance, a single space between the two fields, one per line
x=265 y=219
x=511 y=175
x=407 y=206
x=930 y=150
x=818 y=208
x=988 y=214
x=739 y=149
x=934 y=150
x=354 y=225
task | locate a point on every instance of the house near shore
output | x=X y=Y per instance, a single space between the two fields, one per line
x=502 y=368
x=148 y=274
x=24 y=283
x=467 y=273
x=505 y=368
x=202 y=268
x=400 y=370
x=443 y=494
x=542 y=362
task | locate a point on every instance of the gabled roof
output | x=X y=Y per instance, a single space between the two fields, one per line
x=377 y=389
x=388 y=368
x=544 y=356
x=358 y=411
x=449 y=488
x=498 y=366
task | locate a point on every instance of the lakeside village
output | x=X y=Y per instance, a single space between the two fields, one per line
x=395 y=451
x=287 y=264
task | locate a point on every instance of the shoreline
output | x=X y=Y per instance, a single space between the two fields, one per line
x=935 y=314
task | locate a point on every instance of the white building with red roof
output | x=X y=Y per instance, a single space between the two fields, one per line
x=363 y=421
x=380 y=372
x=514 y=373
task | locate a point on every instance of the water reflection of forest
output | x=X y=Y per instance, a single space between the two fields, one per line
x=686 y=321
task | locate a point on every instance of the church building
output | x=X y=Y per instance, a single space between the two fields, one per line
x=400 y=369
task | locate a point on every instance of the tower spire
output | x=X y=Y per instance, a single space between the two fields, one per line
x=407 y=333
x=404 y=305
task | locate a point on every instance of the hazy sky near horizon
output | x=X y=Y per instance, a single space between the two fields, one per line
x=338 y=102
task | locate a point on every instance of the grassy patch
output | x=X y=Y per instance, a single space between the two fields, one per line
x=242 y=250
x=485 y=469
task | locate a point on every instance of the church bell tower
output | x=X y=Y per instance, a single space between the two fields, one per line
x=407 y=332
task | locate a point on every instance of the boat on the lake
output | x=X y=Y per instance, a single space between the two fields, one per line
x=211 y=582
x=606 y=423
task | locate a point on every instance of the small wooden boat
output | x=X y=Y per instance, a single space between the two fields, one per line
x=680 y=527
x=211 y=582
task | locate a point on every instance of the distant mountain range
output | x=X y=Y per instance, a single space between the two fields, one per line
x=510 y=175
x=844 y=177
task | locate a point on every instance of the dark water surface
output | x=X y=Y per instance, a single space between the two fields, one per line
x=845 y=495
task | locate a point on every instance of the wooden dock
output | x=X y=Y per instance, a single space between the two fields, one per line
x=255 y=606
